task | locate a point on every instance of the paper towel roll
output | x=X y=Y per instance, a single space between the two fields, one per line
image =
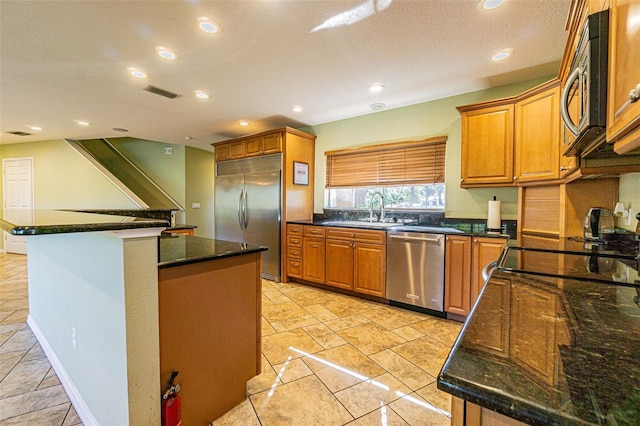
x=493 y=217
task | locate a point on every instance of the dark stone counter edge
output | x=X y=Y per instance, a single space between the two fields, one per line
x=212 y=256
x=86 y=227
x=367 y=225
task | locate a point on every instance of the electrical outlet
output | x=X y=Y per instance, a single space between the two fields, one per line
x=74 y=338
x=195 y=205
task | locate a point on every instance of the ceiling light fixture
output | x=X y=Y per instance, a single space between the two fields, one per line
x=296 y=108
x=82 y=123
x=377 y=106
x=208 y=26
x=377 y=87
x=244 y=123
x=137 y=73
x=165 y=53
x=490 y=4
x=120 y=129
x=36 y=128
x=201 y=94
x=504 y=54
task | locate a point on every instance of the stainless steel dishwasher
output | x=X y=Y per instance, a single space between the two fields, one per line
x=415 y=271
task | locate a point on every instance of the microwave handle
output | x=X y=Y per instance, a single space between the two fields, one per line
x=564 y=101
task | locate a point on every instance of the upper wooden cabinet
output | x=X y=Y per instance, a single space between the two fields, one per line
x=230 y=150
x=487 y=145
x=623 y=103
x=265 y=143
x=537 y=152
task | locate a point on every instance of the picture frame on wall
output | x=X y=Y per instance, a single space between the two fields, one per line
x=300 y=173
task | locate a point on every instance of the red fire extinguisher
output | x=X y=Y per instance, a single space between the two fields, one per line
x=171 y=404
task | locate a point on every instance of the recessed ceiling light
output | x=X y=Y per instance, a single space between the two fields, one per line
x=165 y=53
x=119 y=129
x=296 y=108
x=377 y=87
x=208 y=26
x=504 y=54
x=491 y=4
x=201 y=94
x=244 y=123
x=82 y=123
x=137 y=73
x=36 y=128
x=377 y=106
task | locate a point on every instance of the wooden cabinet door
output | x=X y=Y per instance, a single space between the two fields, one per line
x=623 y=115
x=533 y=324
x=538 y=136
x=313 y=265
x=457 y=287
x=253 y=147
x=339 y=263
x=487 y=146
x=229 y=151
x=369 y=274
x=272 y=144
x=485 y=250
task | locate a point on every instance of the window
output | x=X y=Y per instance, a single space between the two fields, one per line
x=410 y=175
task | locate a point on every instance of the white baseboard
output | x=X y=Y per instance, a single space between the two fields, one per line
x=76 y=399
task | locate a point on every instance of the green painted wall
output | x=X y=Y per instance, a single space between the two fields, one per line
x=65 y=180
x=423 y=120
x=199 y=181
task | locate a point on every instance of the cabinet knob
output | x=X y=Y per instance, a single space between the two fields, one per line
x=564 y=169
x=475 y=241
x=315 y=245
x=515 y=178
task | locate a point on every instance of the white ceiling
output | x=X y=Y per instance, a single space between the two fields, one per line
x=62 y=61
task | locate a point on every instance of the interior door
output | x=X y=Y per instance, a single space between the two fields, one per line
x=18 y=199
x=228 y=207
x=263 y=218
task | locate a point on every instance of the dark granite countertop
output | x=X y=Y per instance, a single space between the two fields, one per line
x=457 y=228
x=179 y=250
x=37 y=222
x=547 y=350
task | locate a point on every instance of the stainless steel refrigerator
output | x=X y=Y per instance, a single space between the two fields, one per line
x=248 y=206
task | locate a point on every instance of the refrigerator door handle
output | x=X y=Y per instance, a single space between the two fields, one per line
x=241 y=210
x=246 y=209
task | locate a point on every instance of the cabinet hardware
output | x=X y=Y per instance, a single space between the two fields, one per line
x=634 y=94
x=315 y=245
x=564 y=169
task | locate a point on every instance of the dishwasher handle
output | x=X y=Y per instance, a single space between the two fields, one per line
x=437 y=240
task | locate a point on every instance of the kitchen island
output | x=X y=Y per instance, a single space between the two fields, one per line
x=94 y=305
x=540 y=349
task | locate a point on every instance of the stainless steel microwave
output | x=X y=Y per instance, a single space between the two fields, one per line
x=583 y=104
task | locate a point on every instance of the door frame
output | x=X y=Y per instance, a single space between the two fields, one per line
x=18 y=240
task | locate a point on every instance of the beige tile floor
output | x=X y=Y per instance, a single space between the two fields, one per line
x=328 y=359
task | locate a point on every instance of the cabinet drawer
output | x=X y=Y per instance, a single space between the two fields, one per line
x=293 y=228
x=314 y=231
x=294 y=268
x=358 y=235
x=294 y=241
x=294 y=252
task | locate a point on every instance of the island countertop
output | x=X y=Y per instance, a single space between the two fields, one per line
x=178 y=250
x=548 y=350
x=39 y=222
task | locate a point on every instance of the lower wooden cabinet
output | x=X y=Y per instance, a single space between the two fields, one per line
x=314 y=259
x=349 y=259
x=465 y=258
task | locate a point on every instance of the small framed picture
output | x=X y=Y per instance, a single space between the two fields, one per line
x=300 y=173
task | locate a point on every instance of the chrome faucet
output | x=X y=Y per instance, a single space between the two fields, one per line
x=381 y=206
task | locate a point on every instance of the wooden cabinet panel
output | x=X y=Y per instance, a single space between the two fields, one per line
x=623 y=116
x=487 y=146
x=272 y=144
x=485 y=250
x=538 y=136
x=339 y=263
x=360 y=235
x=294 y=268
x=314 y=231
x=313 y=266
x=294 y=228
x=539 y=210
x=457 y=293
x=229 y=151
x=369 y=274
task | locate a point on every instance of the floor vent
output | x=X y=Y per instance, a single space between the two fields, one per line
x=161 y=92
x=19 y=133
